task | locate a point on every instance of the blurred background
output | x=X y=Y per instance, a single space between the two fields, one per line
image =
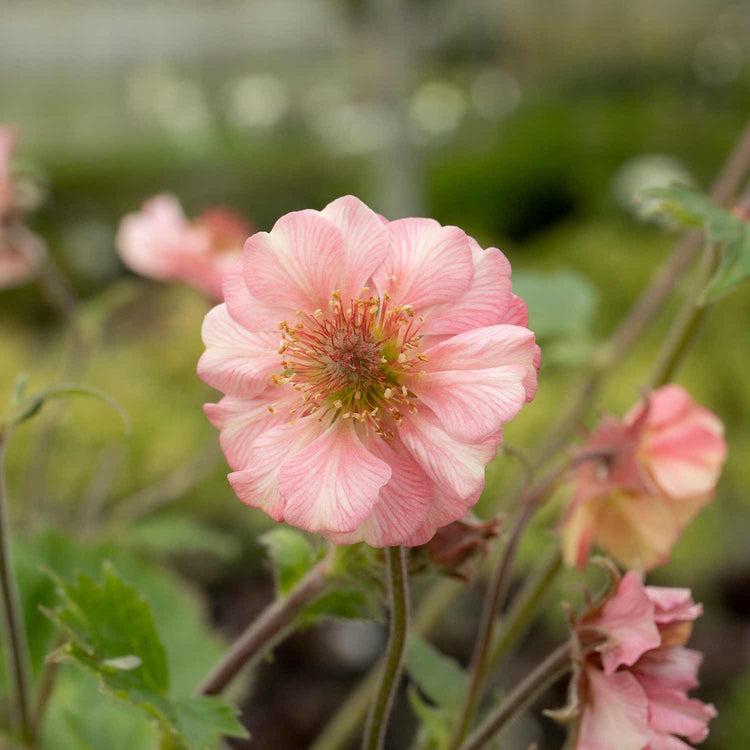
x=529 y=123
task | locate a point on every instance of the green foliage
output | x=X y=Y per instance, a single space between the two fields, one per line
x=438 y=676
x=722 y=228
x=112 y=634
x=292 y=555
x=435 y=723
x=175 y=532
x=561 y=312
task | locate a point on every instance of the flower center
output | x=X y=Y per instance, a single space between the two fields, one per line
x=353 y=360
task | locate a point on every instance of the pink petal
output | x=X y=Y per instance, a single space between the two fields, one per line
x=333 y=484
x=454 y=466
x=616 y=715
x=577 y=531
x=486 y=301
x=675 y=667
x=661 y=741
x=483 y=348
x=241 y=421
x=471 y=405
x=258 y=486
x=237 y=362
x=673 y=604
x=628 y=620
x=403 y=503
x=297 y=265
x=247 y=310
x=673 y=712
x=365 y=243
x=428 y=264
x=517 y=313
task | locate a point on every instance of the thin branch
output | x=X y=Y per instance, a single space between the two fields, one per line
x=265 y=629
x=15 y=634
x=557 y=664
x=398 y=590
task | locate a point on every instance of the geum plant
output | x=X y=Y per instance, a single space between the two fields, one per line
x=368 y=368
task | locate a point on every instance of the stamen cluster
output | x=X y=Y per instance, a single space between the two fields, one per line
x=352 y=360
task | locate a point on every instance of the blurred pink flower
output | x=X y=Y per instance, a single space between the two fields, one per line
x=161 y=243
x=660 y=466
x=630 y=693
x=368 y=368
x=7 y=141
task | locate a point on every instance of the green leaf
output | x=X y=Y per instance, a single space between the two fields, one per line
x=721 y=227
x=346 y=602
x=439 y=677
x=292 y=555
x=561 y=304
x=435 y=723
x=175 y=533
x=111 y=633
x=109 y=622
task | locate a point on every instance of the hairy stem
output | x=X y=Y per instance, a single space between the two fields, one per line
x=398 y=590
x=557 y=664
x=16 y=650
x=265 y=630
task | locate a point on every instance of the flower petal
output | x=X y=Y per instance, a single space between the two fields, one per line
x=333 y=484
x=236 y=362
x=616 y=714
x=402 y=505
x=247 y=310
x=365 y=242
x=456 y=467
x=297 y=265
x=673 y=712
x=427 y=264
x=258 y=486
x=673 y=604
x=675 y=668
x=628 y=619
x=485 y=303
x=471 y=405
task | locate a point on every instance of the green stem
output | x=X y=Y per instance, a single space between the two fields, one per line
x=558 y=663
x=15 y=635
x=525 y=604
x=267 y=629
x=398 y=590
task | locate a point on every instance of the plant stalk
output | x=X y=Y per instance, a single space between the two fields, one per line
x=265 y=629
x=558 y=663
x=17 y=652
x=398 y=590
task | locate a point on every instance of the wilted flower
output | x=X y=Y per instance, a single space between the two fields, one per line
x=161 y=243
x=630 y=691
x=453 y=546
x=659 y=467
x=368 y=369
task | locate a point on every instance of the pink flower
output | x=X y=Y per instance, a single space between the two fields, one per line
x=630 y=693
x=160 y=242
x=368 y=368
x=660 y=467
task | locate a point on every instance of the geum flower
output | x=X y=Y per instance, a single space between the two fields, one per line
x=159 y=242
x=630 y=691
x=659 y=467
x=368 y=367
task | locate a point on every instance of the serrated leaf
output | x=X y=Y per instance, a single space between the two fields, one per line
x=292 y=555
x=721 y=227
x=106 y=621
x=109 y=622
x=173 y=533
x=438 y=676
x=561 y=304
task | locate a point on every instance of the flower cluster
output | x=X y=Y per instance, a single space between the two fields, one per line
x=630 y=691
x=368 y=367
x=160 y=242
x=657 y=468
